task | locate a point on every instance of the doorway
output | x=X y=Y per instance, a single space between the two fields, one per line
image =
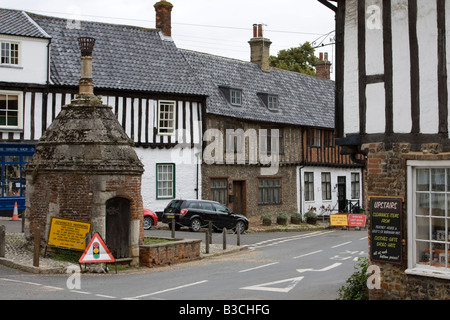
x=118 y=226
x=342 y=193
x=239 y=197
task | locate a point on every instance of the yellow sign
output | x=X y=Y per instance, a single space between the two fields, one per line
x=338 y=220
x=67 y=233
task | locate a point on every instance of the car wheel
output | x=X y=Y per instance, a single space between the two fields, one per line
x=148 y=223
x=195 y=225
x=240 y=227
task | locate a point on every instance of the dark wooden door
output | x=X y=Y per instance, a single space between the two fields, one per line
x=239 y=198
x=118 y=226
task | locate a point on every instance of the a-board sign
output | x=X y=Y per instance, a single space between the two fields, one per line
x=386 y=229
x=338 y=220
x=96 y=251
x=68 y=233
x=356 y=220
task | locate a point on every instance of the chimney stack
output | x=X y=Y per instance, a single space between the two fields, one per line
x=163 y=17
x=86 y=84
x=323 y=66
x=260 y=48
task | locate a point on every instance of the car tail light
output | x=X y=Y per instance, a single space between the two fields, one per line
x=183 y=212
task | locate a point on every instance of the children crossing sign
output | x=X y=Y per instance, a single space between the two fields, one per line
x=96 y=251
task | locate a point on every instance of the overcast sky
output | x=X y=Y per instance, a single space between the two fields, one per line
x=218 y=27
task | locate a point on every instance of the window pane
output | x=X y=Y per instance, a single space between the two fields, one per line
x=438 y=179
x=438 y=204
x=423 y=180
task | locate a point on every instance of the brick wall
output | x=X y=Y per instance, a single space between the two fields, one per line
x=386 y=176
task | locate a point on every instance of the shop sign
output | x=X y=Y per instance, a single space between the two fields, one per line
x=386 y=229
x=68 y=233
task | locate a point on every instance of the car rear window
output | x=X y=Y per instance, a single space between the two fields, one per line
x=174 y=204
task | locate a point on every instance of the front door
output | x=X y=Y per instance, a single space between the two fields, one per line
x=239 y=199
x=118 y=226
x=342 y=194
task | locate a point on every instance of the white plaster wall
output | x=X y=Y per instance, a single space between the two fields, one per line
x=351 y=96
x=318 y=202
x=32 y=66
x=401 y=67
x=427 y=39
x=374 y=37
x=187 y=174
x=375 y=108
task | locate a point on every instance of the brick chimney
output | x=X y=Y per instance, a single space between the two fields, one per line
x=323 y=66
x=260 y=48
x=163 y=17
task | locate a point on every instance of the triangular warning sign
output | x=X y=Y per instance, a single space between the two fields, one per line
x=96 y=251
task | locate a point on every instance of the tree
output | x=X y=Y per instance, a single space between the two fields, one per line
x=300 y=59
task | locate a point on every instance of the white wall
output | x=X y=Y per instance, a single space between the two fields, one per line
x=187 y=174
x=318 y=202
x=32 y=66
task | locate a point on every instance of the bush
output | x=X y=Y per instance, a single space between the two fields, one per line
x=357 y=283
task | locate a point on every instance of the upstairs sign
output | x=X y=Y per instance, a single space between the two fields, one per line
x=386 y=229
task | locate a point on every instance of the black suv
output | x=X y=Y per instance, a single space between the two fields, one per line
x=196 y=214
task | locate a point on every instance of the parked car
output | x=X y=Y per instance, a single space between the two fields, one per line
x=196 y=214
x=150 y=219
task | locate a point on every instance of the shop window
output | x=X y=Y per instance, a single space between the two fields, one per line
x=429 y=216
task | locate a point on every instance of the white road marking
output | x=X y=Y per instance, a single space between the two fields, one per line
x=272 y=242
x=342 y=244
x=265 y=265
x=267 y=286
x=334 y=265
x=167 y=290
x=307 y=254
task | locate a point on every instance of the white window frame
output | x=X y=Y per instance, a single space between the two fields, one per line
x=236 y=97
x=161 y=184
x=272 y=102
x=169 y=116
x=19 y=126
x=414 y=267
x=9 y=57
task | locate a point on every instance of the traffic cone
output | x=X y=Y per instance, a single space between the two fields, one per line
x=15 y=213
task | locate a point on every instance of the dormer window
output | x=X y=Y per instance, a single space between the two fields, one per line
x=272 y=102
x=269 y=100
x=232 y=95
x=9 y=53
x=236 y=97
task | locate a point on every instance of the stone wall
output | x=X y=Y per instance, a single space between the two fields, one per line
x=250 y=175
x=386 y=176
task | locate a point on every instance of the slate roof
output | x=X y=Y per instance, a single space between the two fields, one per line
x=125 y=57
x=18 y=23
x=303 y=100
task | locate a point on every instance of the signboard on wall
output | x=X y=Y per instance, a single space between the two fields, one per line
x=386 y=229
x=68 y=233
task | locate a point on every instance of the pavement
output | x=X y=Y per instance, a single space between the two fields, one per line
x=19 y=251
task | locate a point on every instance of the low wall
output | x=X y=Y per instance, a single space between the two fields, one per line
x=169 y=252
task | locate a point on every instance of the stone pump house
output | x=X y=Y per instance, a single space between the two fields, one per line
x=85 y=168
